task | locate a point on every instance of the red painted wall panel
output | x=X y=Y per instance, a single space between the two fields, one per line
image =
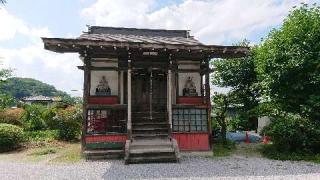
x=106 y=138
x=103 y=100
x=190 y=100
x=192 y=141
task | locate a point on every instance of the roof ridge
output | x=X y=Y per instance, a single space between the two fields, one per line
x=137 y=31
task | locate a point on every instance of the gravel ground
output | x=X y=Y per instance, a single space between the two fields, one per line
x=190 y=167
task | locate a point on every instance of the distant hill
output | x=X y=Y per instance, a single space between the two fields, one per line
x=23 y=87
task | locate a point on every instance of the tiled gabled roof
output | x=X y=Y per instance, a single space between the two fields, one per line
x=133 y=35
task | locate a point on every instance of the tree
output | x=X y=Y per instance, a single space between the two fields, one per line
x=221 y=103
x=23 y=87
x=239 y=74
x=5 y=99
x=4 y=74
x=288 y=63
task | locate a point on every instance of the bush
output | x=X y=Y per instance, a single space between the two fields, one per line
x=11 y=116
x=269 y=151
x=69 y=122
x=292 y=133
x=6 y=101
x=48 y=115
x=10 y=137
x=32 y=117
x=42 y=136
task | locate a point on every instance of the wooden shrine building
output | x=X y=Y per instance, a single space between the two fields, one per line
x=146 y=91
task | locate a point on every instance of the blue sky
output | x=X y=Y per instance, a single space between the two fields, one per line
x=23 y=22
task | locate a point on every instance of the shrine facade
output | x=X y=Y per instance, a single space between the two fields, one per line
x=146 y=91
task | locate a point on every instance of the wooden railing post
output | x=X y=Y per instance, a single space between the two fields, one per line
x=129 y=124
x=170 y=93
x=121 y=88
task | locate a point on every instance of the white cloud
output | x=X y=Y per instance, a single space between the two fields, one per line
x=32 y=60
x=212 y=21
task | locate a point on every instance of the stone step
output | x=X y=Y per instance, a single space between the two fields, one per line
x=151 y=142
x=103 y=154
x=151 y=150
x=156 y=159
x=149 y=130
x=160 y=146
x=135 y=139
x=144 y=135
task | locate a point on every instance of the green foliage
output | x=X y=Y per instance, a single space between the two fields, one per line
x=69 y=123
x=42 y=136
x=271 y=152
x=288 y=63
x=239 y=74
x=23 y=87
x=44 y=151
x=48 y=115
x=11 y=116
x=240 y=122
x=221 y=149
x=32 y=117
x=293 y=133
x=39 y=118
x=10 y=137
x=221 y=103
x=4 y=74
x=6 y=101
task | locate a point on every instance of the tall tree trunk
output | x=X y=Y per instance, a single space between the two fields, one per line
x=224 y=133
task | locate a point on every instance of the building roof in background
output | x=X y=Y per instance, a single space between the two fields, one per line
x=42 y=98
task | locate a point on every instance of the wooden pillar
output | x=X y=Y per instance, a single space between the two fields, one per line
x=121 y=88
x=86 y=91
x=202 y=89
x=129 y=123
x=169 y=94
x=208 y=100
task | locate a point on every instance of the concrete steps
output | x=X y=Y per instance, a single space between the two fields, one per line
x=152 y=150
x=103 y=154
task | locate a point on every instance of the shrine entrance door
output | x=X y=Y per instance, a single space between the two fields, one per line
x=149 y=91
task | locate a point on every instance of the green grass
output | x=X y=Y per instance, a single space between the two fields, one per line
x=222 y=150
x=269 y=151
x=71 y=154
x=53 y=152
x=44 y=151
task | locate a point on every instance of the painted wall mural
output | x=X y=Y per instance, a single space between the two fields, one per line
x=104 y=83
x=189 y=88
x=103 y=88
